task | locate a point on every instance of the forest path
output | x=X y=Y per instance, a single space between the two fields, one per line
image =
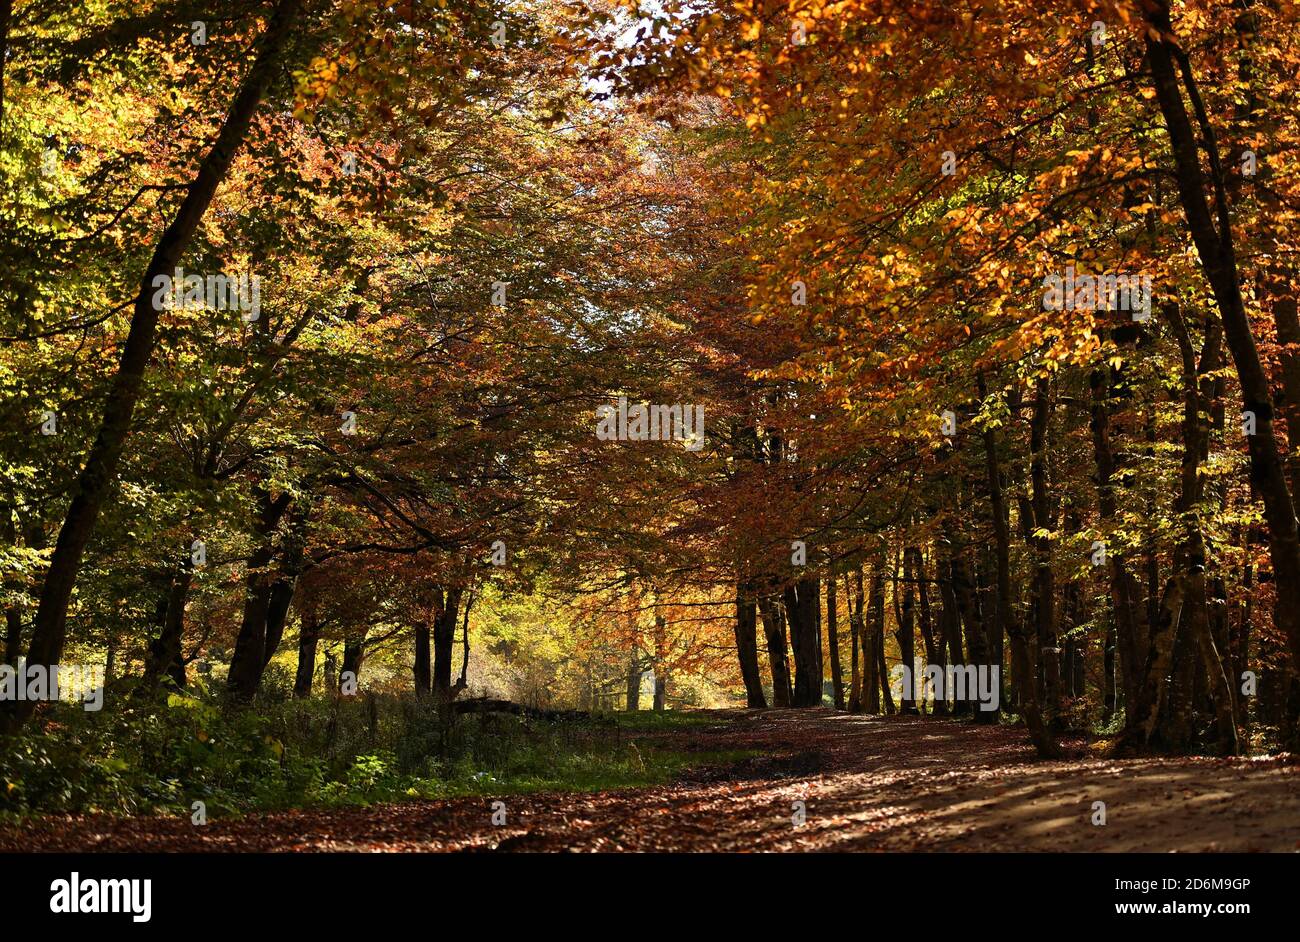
x=869 y=783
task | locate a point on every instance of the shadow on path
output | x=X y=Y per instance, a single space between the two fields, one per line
x=868 y=783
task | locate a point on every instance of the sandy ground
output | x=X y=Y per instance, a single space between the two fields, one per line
x=866 y=784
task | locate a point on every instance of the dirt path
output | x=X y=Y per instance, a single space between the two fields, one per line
x=867 y=783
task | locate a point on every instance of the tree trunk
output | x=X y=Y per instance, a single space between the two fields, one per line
x=463 y=681
x=774 y=632
x=308 y=638
x=971 y=616
x=1049 y=652
x=1009 y=624
x=833 y=644
x=331 y=673
x=949 y=625
x=423 y=667
x=165 y=658
x=746 y=648
x=950 y=619
x=50 y=624
x=1109 y=689
x=249 y=658
x=282 y=590
x=1197 y=386
x=1144 y=713
x=879 y=672
x=444 y=639
x=906 y=634
x=6 y=12
x=277 y=613
x=33 y=534
x=1072 y=648
x=803 y=608
x=1218 y=259
x=934 y=651
x=660 y=656
x=633 y=697
x=14 y=634
x=354 y=656
x=1124 y=639
x=855 y=634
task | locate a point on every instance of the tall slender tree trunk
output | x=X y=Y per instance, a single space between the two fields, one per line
x=1215 y=247
x=1123 y=639
x=906 y=635
x=1009 y=624
x=856 y=633
x=660 y=657
x=463 y=681
x=1049 y=651
x=950 y=618
x=13 y=634
x=746 y=629
x=833 y=644
x=6 y=14
x=971 y=615
x=14 y=584
x=870 y=643
x=1109 y=688
x=1197 y=386
x=774 y=632
x=876 y=628
x=934 y=652
x=632 y=699
x=97 y=474
x=1245 y=612
x=1072 y=663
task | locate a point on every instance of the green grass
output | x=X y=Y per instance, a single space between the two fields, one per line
x=633 y=766
x=648 y=720
x=284 y=753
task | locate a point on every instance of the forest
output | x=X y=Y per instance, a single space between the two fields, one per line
x=446 y=420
